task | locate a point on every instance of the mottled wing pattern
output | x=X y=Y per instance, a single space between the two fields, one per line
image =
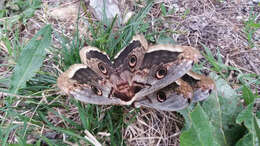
x=202 y=85
x=158 y=77
x=131 y=57
x=95 y=80
x=173 y=97
x=85 y=85
x=163 y=65
x=190 y=88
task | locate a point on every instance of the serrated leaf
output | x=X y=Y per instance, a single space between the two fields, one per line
x=202 y=131
x=31 y=59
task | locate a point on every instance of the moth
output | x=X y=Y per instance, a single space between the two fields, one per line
x=142 y=75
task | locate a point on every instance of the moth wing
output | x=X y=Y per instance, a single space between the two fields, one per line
x=202 y=85
x=175 y=96
x=85 y=85
x=122 y=69
x=97 y=60
x=125 y=62
x=163 y=65
x=131 y=57
x=92 y=56
x=175 y=103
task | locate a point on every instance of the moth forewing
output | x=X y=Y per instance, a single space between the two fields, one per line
x=80 y=80
x=139 y=38
x=177 y=60
x=64 y=81
x=86 y=57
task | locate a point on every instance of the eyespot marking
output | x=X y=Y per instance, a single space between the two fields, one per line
x=102 y=68
x=161 y=96
x=132 y=61
x=161 y=73
x=96 y=90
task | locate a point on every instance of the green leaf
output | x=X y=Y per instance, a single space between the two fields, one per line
x=218 y=113
x=248 y=95
x=245 y=141
x=257 y=129
x=189 y=137
x=250 y=121
x=230 y=107
x=246 y=116
x=31 y=59
x=213 y=110
x=202 y=131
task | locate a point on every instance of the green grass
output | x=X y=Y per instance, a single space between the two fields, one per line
x=31 y=87
x=251 y=26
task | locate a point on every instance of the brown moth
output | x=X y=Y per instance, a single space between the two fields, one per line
x=155 y=76
x=191 y=87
